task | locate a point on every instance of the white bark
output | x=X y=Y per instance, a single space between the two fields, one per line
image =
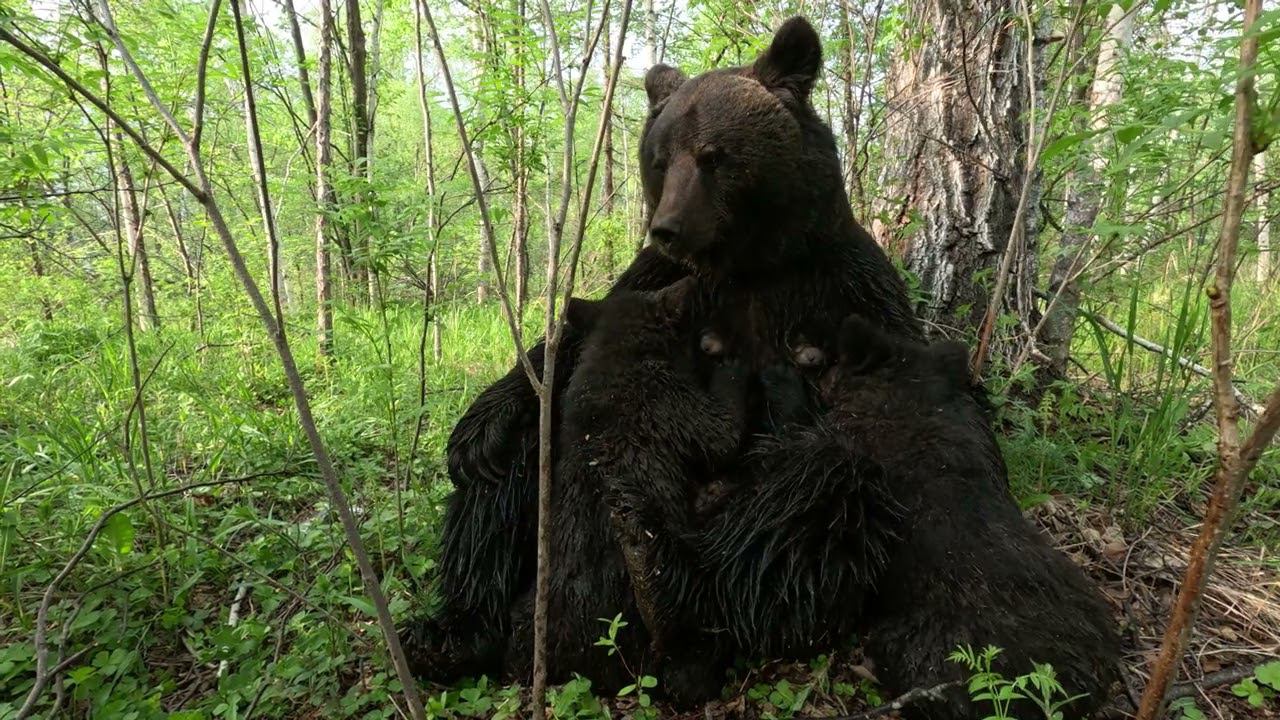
x=1084 y=196
x=1262 y=271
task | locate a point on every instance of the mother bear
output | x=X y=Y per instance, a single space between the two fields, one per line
x=745 y=190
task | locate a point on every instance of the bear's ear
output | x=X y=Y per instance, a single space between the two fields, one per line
x=793 y=59
x=864 y=348
x=661 y=81
x=675 y=299
x=582 y=315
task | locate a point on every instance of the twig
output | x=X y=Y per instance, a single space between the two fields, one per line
x=1235 y=461
x=1212 y=680
x=908 y=698
x=233 y=617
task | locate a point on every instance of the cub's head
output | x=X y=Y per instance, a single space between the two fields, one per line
x=735 y=164
x=628 y=326
x=878 y=372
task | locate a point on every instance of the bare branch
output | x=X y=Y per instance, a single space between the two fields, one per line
x=259 y=166
x=76 y=87
x=202 y=65
x=1234 y=465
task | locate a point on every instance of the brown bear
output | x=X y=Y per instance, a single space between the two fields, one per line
x=746 y=193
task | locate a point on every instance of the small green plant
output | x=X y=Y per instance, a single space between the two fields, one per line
x=1040 y=687
x=642 y=684
x=574 y=701
x=1186 y=709
x=1261 y=687
x=480 y=700
x=781 y=700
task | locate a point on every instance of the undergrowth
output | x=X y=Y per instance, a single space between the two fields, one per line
x=150 y=604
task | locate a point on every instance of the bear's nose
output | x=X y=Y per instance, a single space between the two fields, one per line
x=664 y=229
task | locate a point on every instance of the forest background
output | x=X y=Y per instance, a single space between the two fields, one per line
x=1051 y=176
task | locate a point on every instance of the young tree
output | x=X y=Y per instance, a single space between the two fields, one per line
x=324 y=192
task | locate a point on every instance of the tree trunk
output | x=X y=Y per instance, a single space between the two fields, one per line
x=607 y=189
x=1262 y=271
x=300 y=54
x=324 y=193
x=520 y=209
x=959 y=104
x=482 y=262
x=175 y=224
x=358 y=57
x=1084 y=198
x=849 y=107
x=650 y=35
x=429 y=155
x=131 y=218
x=37 y=269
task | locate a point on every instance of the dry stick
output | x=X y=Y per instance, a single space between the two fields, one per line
x=201 y=189
x=908 y=698
x=259 y=167
x=1251 y=408
x=1234 y=462
x=43 y=673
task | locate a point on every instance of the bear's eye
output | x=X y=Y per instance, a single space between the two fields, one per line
x=710 y=156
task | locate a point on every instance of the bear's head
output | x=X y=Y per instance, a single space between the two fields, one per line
x=738 y=171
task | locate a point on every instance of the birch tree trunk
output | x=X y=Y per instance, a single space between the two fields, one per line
x=608 y=187
x=1262 y=271
x=131 y=218
x=1084 y=198
x=958 y=110
x=324 y=193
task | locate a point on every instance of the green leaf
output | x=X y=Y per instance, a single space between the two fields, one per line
x=1269 y=675
x=119 y=532
x=361 y=604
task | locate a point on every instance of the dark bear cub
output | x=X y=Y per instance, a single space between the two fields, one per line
x=969 y=569
x=645 y=401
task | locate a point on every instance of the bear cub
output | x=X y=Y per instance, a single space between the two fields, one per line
x=968 y=569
